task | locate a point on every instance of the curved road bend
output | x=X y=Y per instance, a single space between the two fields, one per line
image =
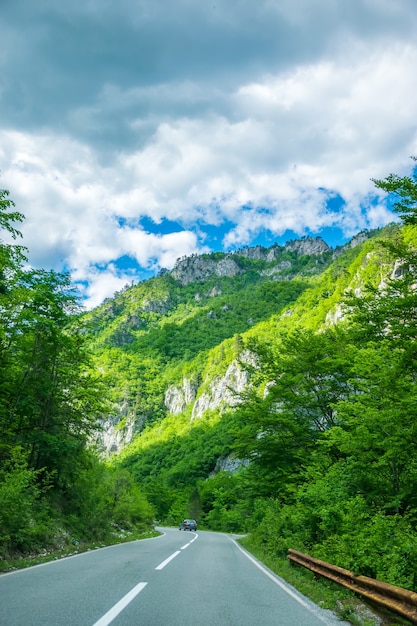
x=178 y=579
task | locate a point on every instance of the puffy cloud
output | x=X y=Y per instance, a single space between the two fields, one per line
x=240 y=118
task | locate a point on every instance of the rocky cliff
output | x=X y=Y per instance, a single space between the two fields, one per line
x=155 y=324
x=199 y=268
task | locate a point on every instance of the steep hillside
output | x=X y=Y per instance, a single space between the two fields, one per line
x=265 y=391
x=155 y=340
x=170 y=344
x=273 y=391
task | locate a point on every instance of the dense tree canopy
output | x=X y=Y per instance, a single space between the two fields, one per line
x=52 y=400
x=324 y=439
x=322 y=447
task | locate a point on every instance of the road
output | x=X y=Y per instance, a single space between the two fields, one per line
x=178 y=579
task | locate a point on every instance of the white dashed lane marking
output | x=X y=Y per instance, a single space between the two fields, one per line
x=122 y=604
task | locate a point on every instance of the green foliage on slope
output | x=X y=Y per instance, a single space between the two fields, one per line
x=319 y=455
x=151 y=334
x=316 y=453
x=328 y=428
x=52 y=484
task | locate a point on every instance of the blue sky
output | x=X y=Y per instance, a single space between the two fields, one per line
x=134 y=132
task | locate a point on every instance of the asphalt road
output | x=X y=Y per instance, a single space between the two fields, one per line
x=177 y=579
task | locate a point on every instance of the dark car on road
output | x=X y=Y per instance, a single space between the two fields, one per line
x=188 y=524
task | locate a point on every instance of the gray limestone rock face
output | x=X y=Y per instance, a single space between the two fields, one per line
x=355 y=241
x=113 y=438
x=311 y=246
x=276 y=269
x=229 y=464
x=198 y=268
x=178 y=398
x=225 y=390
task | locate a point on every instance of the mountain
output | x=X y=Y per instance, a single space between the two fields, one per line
x=172 y=344
x=272 y=391
x=265 y=391
x=268 y=391
x=156 y=341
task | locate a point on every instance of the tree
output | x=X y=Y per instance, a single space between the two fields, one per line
x=49 y=397
x=378 y=431
x=378 y=422
x=11 y=255
x=404 y=189
x=303 y=378
x=52 y=401
x=11 y=259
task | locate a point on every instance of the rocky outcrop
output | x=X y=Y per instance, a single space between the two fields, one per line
x=159 y=305
x=276 y=269
x=116 y=434
x=214 y=292
x=398 y=269
x=178 y=398
x=256 y=252
x=225 y=391
x=273 y=253
x=355 y=241
x=312 y=246
x=200 y=268
x=309 y=245
x=229 y=464
x=335 y=316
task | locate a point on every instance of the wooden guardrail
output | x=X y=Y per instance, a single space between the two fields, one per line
x=397 y=599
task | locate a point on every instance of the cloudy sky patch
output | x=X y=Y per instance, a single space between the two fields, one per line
x=136 y=132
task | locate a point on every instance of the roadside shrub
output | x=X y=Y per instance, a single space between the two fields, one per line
x=346 y=534
x=382 y=547
x=282 y=527
x=24 y=517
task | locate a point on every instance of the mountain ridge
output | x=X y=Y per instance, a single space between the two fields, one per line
x=283 y=408
x=172 y=323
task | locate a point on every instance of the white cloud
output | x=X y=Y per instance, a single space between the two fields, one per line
x=101 y=284
x=244 y=120
x=155 y=251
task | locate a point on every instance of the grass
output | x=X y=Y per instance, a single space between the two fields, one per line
x=326 y=594
x=27 y=560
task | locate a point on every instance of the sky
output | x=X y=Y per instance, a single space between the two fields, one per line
x=135 y=132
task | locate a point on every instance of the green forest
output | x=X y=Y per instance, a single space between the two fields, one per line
x=317 y=451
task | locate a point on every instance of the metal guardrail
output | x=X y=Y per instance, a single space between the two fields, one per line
x=397 y=599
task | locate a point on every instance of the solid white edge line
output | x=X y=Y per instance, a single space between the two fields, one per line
x=118 y=608
x=162 y=565
x=282 y=585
